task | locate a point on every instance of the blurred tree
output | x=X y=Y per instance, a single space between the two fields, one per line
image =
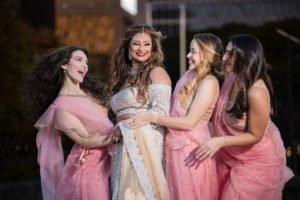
x=19 y=45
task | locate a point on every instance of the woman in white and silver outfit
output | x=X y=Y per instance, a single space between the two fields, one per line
x=139 y=83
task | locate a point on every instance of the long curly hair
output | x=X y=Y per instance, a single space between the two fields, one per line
x=47 y=77
x=249 y=66
x=121 y=65
x=211 y=49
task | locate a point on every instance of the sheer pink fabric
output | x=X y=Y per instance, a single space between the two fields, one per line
x=64 y=181
x=188 y=182
x=253 y=172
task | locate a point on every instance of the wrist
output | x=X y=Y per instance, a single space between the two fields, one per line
x=154 y=119
x=224 y=140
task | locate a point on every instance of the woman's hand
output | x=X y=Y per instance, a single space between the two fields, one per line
x=210 y=147
x=115 y=137
x=139 y=119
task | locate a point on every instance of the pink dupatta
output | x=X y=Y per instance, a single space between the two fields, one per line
x=178 y=138
x=261 y=166
x=48 y=140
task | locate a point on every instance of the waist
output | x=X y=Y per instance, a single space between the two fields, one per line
x=129 y=111
x=124 y=116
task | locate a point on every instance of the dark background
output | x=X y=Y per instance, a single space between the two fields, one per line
x=26 y=31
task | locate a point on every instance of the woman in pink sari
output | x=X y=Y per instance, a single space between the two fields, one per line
x=66 y=101
x=252 y=162
x=193 y=101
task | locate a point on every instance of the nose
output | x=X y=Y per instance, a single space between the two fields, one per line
x=225 y=56
x=142 y=47
x=85 y=66
x=188 y=55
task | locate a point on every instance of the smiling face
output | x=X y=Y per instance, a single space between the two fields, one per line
x=77 y=66
x=194 y=56
x=140 y=47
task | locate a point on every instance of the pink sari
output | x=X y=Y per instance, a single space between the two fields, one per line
x=65 y=181
x=252 y=172
x=187 y=182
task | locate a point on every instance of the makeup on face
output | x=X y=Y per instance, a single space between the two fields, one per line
x=77 y=67
x=193 y=56
x=228 y=59
x=140 y=47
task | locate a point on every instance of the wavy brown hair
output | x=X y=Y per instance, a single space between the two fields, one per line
x=211 y=49
x=47 y=77
x=249 y=66
x=121 y=63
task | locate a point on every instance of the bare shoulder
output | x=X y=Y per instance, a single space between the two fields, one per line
x=158 y=75
x=257 y=95
x=258 y=101
x=209 y=81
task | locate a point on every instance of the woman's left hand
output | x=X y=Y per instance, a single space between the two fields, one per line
x=209 y=148
x=138 y=120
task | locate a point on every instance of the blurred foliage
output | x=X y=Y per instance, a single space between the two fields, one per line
x=19 y=45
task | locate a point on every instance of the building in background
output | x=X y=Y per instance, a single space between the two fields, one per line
x=201 y=14
x=97 y=25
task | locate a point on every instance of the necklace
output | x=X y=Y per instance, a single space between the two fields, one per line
x=134 y=71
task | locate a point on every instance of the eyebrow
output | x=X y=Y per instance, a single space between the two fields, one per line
x=80 y=57
x=139 y=41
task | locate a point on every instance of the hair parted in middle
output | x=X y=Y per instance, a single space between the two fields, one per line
x=122 y=64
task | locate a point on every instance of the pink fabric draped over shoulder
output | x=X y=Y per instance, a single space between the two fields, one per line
x=188 y=182
x=91 y=179
x=252 y=172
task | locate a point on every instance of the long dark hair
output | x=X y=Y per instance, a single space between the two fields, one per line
x=47 y=77
x=122 y=64
x=249 y=66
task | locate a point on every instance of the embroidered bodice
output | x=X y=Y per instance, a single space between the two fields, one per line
x=125 y=102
